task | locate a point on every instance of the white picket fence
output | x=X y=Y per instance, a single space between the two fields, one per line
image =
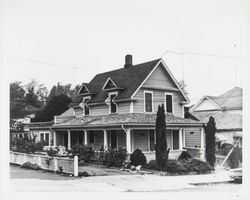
x=62 y=164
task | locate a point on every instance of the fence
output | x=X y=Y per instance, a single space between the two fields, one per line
x=57 y=164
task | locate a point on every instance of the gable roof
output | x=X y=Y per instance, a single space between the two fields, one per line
x=224 y=121
x=232 y=99
x=128 y=81
x=109 y=84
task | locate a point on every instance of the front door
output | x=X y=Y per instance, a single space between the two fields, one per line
x=113 y=139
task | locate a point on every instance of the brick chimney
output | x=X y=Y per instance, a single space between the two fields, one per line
x=128 y=61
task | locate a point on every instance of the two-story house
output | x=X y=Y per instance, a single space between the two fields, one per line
x=118 y=109
x=227 y=111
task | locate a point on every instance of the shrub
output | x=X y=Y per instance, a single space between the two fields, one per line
x=52 y=151
x=182 y=166
x=84 y=152
x=138 y=158
x=184 y=156
x=115 y=157
x=29 y=165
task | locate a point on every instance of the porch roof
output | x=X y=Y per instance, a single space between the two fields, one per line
x=131 y=119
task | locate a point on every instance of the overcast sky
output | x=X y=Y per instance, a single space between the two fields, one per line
x=71 y=41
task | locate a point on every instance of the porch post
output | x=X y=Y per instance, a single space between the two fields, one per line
x=202 y=138
x=180 y=139
x=85 y=137
x=69 y=139
x=50 y=138
x=202 y=149
x=105 y=139
x=128 y=140
x=54 y=140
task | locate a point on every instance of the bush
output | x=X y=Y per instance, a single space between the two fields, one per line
x=114 y=157
x=84 y=152
x=182 y=166
x=52 y=151
x=138 y=158
x=29 y=165
x=184 y=156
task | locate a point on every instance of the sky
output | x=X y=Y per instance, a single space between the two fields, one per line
x=70 y=41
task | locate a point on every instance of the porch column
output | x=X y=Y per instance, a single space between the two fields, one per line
x=180 y=139
x=105 y=139
x=85 y=137
x=50 y=137
x=54 y=139
x=202 y=149
x=202 y=138
x=128 y=140
x=69 y=139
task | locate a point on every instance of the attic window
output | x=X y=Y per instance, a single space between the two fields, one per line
x=169 y=103
x=109 y=84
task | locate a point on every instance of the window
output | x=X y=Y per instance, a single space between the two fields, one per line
x=175 y=140
x=47 y=138
x=148 y=100
x=41 y=137
x=91 y=137
x=113 y=106
x=169 y=103
x=86 y=107
x=152 y=140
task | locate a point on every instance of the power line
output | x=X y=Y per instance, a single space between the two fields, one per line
x=45 y=63
x=200 y=54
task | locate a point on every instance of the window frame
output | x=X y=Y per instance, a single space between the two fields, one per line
x=152 y=104
x=110 y=94
x=85 y=105
x=170 y=94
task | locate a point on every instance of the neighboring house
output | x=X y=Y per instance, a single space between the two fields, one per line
x=41 y=130
x=118 y=109
x=227 y=111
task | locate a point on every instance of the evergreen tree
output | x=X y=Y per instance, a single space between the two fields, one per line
x=210 y=130
x=56 y=106
x=161 y=150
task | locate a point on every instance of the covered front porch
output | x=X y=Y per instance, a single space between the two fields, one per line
x=124 y=137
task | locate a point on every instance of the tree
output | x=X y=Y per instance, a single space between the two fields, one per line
x=161 y=150
x=36 y=94
x=17 y=105
x=64 y=89
x=56 y=106
x=210 y=130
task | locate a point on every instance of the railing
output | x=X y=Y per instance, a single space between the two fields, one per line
x=57 y=164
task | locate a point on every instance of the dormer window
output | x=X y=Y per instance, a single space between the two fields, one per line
x=111 y=103
x=169 y=102
x=85 y=106
x=148 y=101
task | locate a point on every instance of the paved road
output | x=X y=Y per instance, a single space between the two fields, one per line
x=29 y=180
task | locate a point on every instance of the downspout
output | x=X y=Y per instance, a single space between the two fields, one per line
x=124 y=128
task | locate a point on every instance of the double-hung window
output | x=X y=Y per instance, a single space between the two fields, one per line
x=113 y=105
x=169 y=103
x=148 y=101
x=86 y=107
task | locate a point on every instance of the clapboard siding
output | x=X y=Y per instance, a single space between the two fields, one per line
x=124 y=107
x=158 y=99
x=160 y=78
x=99 y=110
x=193 y=140
x=140 y=138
